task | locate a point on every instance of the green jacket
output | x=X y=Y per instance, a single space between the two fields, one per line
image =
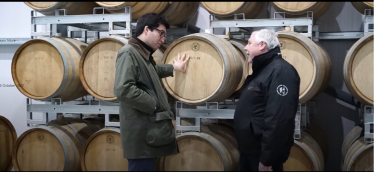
x=145 y=117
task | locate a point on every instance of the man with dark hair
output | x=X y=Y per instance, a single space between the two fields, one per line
x=147 y=132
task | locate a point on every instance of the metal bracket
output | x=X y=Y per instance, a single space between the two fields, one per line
x=302 y=119
x=74 y=107
x=211 y=110
x=368 y=21
x=368 y=124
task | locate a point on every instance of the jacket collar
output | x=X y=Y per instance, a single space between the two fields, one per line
x=144 y=50
x=264 y=59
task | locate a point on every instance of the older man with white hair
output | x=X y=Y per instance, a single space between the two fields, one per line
x=264 y=119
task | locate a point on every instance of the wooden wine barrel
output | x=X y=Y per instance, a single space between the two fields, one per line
x=358 y=69
x=226 y=10
x=180 y=12
x=306 y=155
x=361 y=6
x=359 y=156
x=310 y=60
x=71 y=8
x=328 y=66
x=351 y=137
x=103 y=152
x=54 y=147
x=214 y=70
x=319 y=136
x=97 y=66
x=107 y=144
x=158 y=55
x=300 y=9
x=247 y=67
x=8 y=138
x=137 y=8
x=205 y=151
x=45 y=68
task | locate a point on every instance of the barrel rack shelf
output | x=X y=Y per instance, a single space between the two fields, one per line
x=304 y=26
x=368 y=124
x=115 y=24
x=123 y=24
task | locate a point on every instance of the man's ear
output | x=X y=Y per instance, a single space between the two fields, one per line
x=146 y=30
x=262 y=46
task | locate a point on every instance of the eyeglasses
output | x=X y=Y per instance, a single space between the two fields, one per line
x=161 y=32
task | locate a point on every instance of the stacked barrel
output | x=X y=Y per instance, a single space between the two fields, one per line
x=175 y=12
x=357 y=154
x=8 y=138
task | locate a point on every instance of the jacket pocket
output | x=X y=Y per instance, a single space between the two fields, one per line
x=160 y=130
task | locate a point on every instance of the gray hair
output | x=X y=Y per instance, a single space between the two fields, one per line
x=270 y=37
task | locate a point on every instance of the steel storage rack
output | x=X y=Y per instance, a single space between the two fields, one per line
x=306 y=111
x=122 y=23
x=72 y=25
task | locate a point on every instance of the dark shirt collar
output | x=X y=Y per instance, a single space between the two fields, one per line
x=262 y=60
x=150 y=49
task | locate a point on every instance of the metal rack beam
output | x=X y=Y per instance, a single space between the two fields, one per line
x=214 y=111
x=100 y=22
x=13 y=41
x=74 y=107
x=252 y=23
x=340 y=35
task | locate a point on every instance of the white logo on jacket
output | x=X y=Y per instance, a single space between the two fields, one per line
x=282 y=90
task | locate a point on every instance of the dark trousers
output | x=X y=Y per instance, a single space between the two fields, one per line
x=252 y=162
x=146 y=164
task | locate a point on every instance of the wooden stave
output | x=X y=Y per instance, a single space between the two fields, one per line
x=358 y=147
x=113 y=130
x=228 y=151
x=185 y=13
x=328 y=67
x=68 y=6
x=318 y=135
x=114 y=38
x=220 y=45
x=158 y=55
x=79 y=136
x=69 y=151
x=238 y=65
x=250 y=9
x=70 y=60
x=8 y=166
x=319 y=8
x=247 y=67
x=305 y=143
x=351 y=137
x=347 y=74
x=137 y=8
x=68 y=141
x=361 y=6
x=319 y=64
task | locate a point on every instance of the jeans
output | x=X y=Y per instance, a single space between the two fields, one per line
x=251 y=162
x=146 y=164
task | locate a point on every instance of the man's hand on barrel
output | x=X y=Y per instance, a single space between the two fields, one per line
x=180 y=64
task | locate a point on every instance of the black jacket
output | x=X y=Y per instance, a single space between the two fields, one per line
x=264 y=119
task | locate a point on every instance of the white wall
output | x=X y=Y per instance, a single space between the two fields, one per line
x=335 y=117
x=15 y=23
